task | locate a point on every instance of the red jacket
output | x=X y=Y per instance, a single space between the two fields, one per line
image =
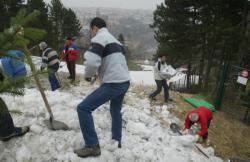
x=205 y=115
x=71 y=52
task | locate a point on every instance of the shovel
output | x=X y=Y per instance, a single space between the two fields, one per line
x=51 y=123
x=176 y=129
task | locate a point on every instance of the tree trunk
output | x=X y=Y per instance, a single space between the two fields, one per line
x=222 y=59
x=202 y=61
x=210 y=63
x=189 y=74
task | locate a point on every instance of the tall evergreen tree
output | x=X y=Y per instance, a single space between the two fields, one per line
x=209 y=31
x=18 y=36
x=121 y=39
x=43 y=20
x=126 y=47
x=56 y=17
x=64 y=23
x=71 y=25
x=8 y=8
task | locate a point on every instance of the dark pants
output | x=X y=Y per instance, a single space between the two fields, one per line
x=113 y=92
x=72 y=69
x=205 y=136
x=6 y=122
x=54 y=83
x=160 y=84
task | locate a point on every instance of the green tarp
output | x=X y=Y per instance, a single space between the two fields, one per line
x=199 y=102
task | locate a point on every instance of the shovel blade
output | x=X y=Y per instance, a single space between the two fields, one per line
x=55 y=125
x=175 y=128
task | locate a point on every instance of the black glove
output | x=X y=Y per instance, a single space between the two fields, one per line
x=88 y=79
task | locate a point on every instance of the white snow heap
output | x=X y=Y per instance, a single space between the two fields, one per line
x=144 y=137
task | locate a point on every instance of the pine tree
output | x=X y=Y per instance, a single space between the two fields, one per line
x=208 y=31
x=126 y=47
x=8 y=8
x=121 y=39
x=71 y=25
x=56 y=17
x=18 y=36
x=43 y=20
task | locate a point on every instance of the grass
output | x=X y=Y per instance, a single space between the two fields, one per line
x=133 y=66
x=228 y=136
x=17 y=112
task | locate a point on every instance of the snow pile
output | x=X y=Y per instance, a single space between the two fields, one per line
x=144 y=138
x=147 y=67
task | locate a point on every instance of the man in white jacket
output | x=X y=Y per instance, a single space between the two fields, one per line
x=162 y=72
x=105 y=57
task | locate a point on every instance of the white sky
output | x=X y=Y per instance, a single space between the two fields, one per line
x=126 y=4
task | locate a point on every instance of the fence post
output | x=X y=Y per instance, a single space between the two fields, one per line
x=221 y=89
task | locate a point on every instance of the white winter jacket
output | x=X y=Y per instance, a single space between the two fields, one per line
x=163 y=71
x=106 y=57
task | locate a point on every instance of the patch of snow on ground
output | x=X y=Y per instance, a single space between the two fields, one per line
x=144 y=138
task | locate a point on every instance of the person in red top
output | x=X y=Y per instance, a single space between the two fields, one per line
x=70 y=53
x=203 y=116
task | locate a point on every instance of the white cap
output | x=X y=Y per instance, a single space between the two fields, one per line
x=43 y=45
x=193 y=117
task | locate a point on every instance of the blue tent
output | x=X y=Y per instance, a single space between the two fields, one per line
x=13 y=67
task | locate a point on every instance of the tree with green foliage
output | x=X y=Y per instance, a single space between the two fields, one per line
x=42 y=21
x=18 y=36
x=56 y=17
x=210 y=32
x=64 y=23
x=121 y=39
x=126 y=47
x=175 y=25
x=8 y=8
x=71 y=26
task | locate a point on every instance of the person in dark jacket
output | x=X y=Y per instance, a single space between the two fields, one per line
x=71 y=51
x=202 y=116
x=51 y=62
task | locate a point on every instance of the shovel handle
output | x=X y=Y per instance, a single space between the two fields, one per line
x=38 y=83
x=201 y=151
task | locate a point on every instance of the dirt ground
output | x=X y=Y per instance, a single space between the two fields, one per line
x=229 y=137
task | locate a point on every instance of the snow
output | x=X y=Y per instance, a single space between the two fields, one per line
x=145 y=139
x=147 y=67
x=145 y=77
x=142 y=77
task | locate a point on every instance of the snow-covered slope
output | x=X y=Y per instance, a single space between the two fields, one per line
x=144 y=138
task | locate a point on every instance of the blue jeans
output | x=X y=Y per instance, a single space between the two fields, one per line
x=54 y=82
x=113 y=92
